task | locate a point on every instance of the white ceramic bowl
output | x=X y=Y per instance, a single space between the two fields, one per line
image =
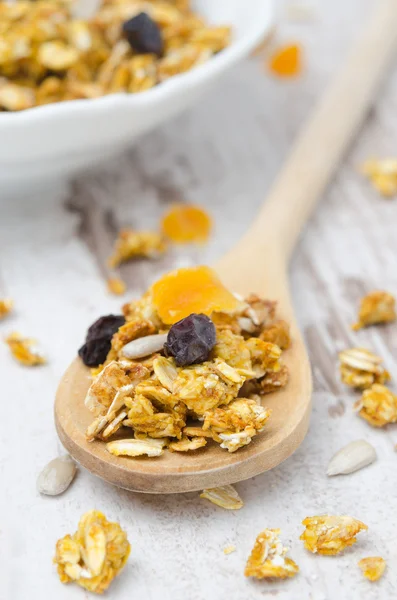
x=58 y=140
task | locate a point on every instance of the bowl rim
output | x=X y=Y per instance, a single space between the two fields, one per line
x=192 y=78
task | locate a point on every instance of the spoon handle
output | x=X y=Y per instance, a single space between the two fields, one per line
x=327 y=134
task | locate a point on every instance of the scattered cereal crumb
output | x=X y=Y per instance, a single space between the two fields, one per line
x=382 y=174
x=360 y=368
x=378 y=406
x=23 y=350
x=267 y=559
x=225 y=497
x=186 y=223
x=376 y=307
x=372 y=567
x=116 y=286
x=229 y=549
x=132 y=244
x=6 y=306
x=329 y=534
x=286 y=61
x=94 y=555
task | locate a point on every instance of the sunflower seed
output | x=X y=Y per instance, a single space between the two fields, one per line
x=144 y=346
x=351 y=458
x=57 y=476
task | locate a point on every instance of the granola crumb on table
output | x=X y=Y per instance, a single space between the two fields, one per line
x=378 y=406
x=132 y=244
x=330 y=534
x=6 y=306
x=150 y=385
x=116 y=286
x=267 y=559
x=382 y=174
x=225 y=497
x=94 y=555
x=229 y=549
x=360 y=368
x=24 y=351
x=376 y=307
x=372 y=567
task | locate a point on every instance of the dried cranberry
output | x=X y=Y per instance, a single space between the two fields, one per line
x=98 y=340
x=144 y=35
x=191 y=340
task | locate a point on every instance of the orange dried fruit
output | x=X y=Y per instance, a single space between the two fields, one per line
x=186 y=223
x=286 y=61
x=191 y=290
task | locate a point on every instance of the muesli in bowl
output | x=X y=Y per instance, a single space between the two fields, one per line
x=187 y=364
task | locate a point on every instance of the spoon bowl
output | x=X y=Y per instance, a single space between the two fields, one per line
x=211 y=466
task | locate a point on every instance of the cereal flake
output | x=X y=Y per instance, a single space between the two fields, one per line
x=372 y=567
x=329 y=534
x=267 y=559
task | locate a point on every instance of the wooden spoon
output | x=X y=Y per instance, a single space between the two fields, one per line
x=257 y=264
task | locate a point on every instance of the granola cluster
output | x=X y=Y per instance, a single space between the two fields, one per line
x=360 y=368
x=330 y=534
x=94 y=555
x=49 y=52
x=133 y=244
x=24 y=350
x=372 y=567
x=376 y=307
x=378 y=406
x=268 y=560
x=144 y=388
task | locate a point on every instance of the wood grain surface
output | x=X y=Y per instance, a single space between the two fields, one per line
x=223 y=154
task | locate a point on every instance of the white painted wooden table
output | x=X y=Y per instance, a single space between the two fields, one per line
x=222 y=154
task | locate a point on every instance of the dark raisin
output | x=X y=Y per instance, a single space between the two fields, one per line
x=105 y=327
x=144 y=35
x=191 y=340
x=98 y=341
x=94 y=352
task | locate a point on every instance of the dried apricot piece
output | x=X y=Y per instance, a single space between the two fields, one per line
x=191 y=290
x=186 y=223
x=286 y=61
